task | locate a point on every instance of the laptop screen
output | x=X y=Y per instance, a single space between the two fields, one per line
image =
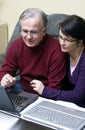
x=15 y=101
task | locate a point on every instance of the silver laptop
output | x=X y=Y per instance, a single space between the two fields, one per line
x=56 y=116
x=13 y=101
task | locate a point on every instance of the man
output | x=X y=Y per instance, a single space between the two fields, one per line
x=35 y=54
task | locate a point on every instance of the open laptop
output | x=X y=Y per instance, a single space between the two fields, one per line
x=44 y=112
x=13 y=101
x=55 y=116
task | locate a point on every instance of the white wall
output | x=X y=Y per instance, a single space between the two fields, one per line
x=10 y=10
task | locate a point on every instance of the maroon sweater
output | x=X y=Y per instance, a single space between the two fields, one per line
x=45 y=62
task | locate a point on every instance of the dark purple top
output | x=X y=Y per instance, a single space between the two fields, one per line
x=74 y=91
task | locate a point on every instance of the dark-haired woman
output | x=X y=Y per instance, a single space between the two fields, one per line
x=72 y=42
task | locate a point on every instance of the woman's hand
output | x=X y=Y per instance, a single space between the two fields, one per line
x=37 y=86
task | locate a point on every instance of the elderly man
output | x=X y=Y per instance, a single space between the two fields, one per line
x=36 y=55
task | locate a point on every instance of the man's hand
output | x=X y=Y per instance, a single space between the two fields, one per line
x=8 y=80
x=37 y=86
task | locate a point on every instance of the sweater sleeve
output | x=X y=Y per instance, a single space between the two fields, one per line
x=77 y=95
x=10 y=63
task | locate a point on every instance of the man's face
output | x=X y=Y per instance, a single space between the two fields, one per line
x=32 y=31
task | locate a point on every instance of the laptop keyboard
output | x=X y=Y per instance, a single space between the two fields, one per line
x=17 y=100
x=55 y=117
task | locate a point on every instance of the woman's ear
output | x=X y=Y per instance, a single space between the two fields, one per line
x=80 y=42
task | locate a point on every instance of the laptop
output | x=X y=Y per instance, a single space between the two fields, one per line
x=13 y=101
x=55 y=116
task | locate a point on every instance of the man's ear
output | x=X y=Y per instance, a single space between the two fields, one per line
x=44 y=31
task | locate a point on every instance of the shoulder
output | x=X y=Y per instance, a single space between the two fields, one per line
x=82 y=59
x=52 y=47
x=52 y=42
x=18 y=43
x=16 y=46
x=51 y=38
x=81 y=63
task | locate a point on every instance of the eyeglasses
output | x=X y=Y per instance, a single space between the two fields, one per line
x=32 y=33
x=66 y=40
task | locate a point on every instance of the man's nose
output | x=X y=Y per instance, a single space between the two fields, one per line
x=29 y=35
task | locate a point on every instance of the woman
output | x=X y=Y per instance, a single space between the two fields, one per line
x=72 y=42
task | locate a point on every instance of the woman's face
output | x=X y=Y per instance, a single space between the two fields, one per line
x=67 y=43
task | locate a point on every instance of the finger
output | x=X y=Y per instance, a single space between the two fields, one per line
x=33 y=85
x=11 y=80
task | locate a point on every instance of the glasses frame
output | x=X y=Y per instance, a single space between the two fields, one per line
x=32 y=33
x=66 y=40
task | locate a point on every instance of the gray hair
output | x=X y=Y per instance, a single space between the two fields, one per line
x=30 y=12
